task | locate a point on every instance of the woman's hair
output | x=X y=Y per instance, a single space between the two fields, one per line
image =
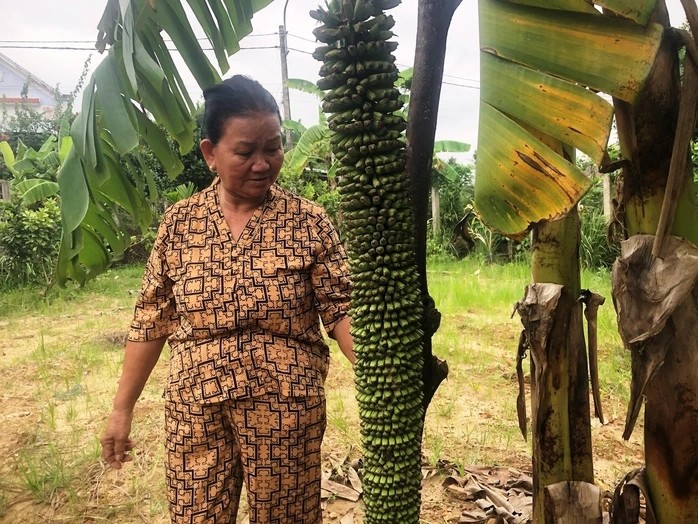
x=235 y=96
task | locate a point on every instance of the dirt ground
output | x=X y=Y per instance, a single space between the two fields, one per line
x=37 y=356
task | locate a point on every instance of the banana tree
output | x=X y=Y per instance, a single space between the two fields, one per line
x=136 y=81
x=34 y=171
x=655 y=281
x=542 y=64
x=442 y=172
x=313 y=143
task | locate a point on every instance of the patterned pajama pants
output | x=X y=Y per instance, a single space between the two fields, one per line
x=271 y=443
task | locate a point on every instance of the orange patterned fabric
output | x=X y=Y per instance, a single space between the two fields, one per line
x=271 y=443
x=243 y=316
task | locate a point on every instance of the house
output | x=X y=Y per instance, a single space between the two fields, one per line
x=40 y=96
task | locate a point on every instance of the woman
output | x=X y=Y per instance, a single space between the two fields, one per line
x=237 y=282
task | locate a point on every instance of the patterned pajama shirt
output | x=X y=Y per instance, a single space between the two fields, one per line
x=245 y=394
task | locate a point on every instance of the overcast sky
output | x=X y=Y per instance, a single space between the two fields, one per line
x=48 y=23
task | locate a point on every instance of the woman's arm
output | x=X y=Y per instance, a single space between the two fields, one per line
x=139 y=360
x=343 y=337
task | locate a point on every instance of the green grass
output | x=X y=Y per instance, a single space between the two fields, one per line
x=64 y=356
x=37 y=300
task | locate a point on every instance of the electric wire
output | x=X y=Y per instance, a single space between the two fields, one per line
x=3 y=45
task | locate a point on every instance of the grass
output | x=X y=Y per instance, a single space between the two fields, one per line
x=63 y=356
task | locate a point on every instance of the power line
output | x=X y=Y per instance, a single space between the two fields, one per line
x=302 y=38
x=250 y=48
x=92 y=41
x=403 y=66
x=459 y=85
x=61 y=48
x=70 y=48
x=299 y=50
x=462 y=78
x=47 y=41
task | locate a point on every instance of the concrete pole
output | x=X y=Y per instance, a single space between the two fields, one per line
x=286 y=102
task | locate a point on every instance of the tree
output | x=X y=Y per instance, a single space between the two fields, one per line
x=660 y=212
x=442 y=174
x=527 y=180
x=136 y=80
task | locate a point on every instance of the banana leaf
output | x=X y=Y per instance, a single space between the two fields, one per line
x=35 y=190
x=310 y=142
x=450 y=146
x=306 y=86
x=444 y=169
x=8 y=156
x=542 y=66
x=136 y=82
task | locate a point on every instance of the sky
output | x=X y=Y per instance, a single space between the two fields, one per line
x=47 y=23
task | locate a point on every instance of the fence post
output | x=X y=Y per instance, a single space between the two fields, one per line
x=4 y=190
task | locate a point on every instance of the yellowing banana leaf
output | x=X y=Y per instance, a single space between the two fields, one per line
x=519 y=180
x=605 y=53
x=561 y=109
x=541 y=66
x=581 y=6
x=638 y=10
x=136 y=82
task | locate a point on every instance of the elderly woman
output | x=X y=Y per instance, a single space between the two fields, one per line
x=240 y=276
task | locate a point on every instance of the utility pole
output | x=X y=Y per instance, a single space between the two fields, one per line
x=284 y=79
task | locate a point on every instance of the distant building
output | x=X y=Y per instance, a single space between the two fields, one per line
x=40 y=96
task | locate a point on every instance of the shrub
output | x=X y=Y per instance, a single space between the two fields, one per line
x=29 y=242
x=439 y=247
x=595 y=250
x=488 y=243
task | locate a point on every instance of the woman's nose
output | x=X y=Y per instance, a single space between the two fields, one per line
x=260 y=163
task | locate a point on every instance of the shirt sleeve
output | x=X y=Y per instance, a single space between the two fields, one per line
x=330 y=276
x=155 y=313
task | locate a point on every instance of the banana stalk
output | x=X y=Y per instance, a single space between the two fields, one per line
x=359 y=73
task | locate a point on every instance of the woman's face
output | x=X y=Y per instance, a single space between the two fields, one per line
x=248 y=156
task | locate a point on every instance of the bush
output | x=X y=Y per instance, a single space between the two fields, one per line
x=439 y=247
x=29 y=242
x=139 y=249
x=595 y=250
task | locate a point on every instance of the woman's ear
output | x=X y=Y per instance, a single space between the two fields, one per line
x=206 y=147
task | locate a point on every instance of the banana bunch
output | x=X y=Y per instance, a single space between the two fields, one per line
x=358 y=73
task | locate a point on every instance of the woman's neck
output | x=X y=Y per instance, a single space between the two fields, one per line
x=233 y=204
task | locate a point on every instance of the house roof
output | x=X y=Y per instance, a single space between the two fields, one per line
x=19 y=100
x=35 y=80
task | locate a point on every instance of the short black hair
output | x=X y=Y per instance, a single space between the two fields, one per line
x=235 y=96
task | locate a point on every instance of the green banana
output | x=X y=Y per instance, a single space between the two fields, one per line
x=366 y=137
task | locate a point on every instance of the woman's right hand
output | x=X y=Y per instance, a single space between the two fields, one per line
x=115 y=440
x=139 y=360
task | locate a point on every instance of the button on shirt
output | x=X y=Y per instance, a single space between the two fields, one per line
x=243 y=317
